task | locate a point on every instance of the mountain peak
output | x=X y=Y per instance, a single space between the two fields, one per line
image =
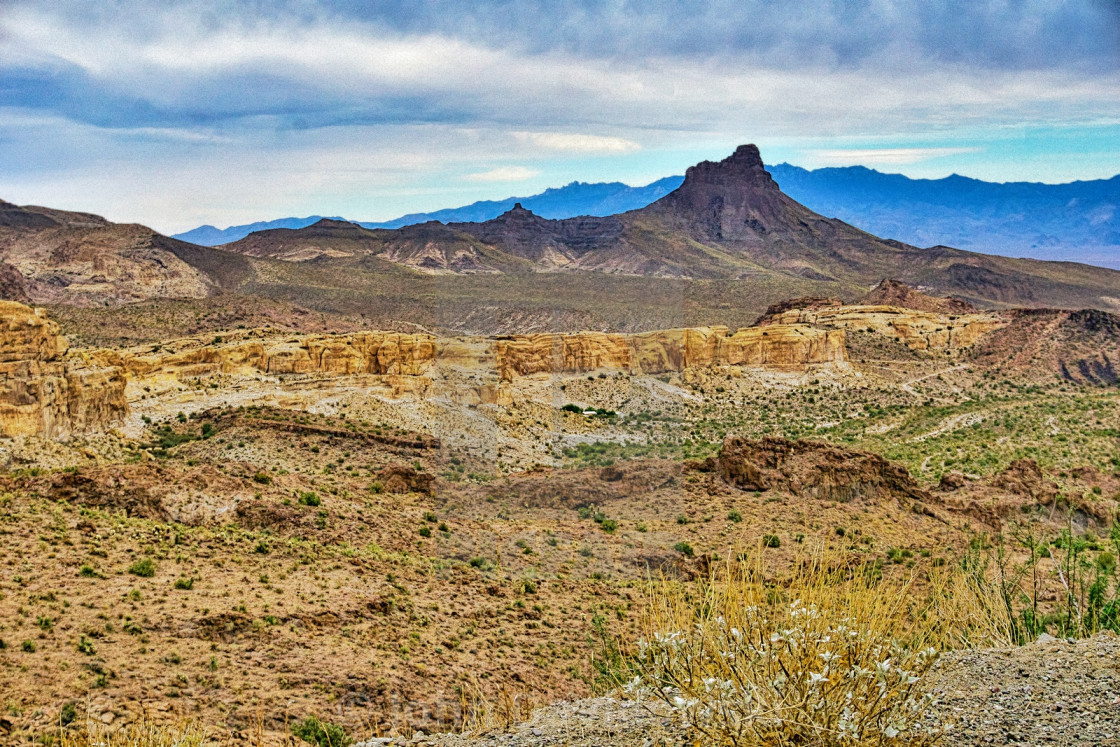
x=734 y=199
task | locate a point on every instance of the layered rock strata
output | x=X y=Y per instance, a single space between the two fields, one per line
x=42 y=391
x=918 y=330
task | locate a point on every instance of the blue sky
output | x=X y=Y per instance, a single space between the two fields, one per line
x=181 y=113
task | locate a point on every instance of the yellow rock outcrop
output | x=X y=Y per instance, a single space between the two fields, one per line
x=918 y=330
x=42 y=391
x=793 y=346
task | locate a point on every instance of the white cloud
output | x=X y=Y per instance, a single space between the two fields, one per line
x=503 y=174
x=578 y=143
x=883 y=156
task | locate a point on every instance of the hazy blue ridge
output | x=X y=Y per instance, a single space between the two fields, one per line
x=577 y=198
x=211 y=236
x=1078 y=221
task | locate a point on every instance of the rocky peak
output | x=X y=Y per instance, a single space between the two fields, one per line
x=734 y=199
x=331 y=223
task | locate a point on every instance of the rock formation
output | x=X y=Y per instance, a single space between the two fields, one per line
x=42 y=391
x=785 y=346
x=394 y=354
x=813 y=469
x=918 y=330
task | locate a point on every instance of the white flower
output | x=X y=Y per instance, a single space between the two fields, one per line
x=816 y=679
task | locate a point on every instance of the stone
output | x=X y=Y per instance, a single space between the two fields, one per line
x=43 y=391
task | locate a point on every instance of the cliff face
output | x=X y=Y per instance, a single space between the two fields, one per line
x=918 y=330
x=42 y=392
x=398 y=355
x=784 y=346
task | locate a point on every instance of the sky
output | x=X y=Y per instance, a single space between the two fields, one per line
x=176 y=114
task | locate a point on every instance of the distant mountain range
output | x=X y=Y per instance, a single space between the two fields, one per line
x=719 y=249
x=1079 y=221
x=577 y=198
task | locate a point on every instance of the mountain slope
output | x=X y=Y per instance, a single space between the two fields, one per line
x=55 y=256
x=1079 y=221
x=577 y=198
x=728 y=220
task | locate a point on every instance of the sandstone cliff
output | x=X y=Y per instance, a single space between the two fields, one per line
x=42 y=391
x=918 y=330
x=794 y=346
x=403 y=357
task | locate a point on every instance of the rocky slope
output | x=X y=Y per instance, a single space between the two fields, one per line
x=55 y=256
x=42 y=392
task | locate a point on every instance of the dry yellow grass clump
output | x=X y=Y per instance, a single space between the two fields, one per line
x=830 y=655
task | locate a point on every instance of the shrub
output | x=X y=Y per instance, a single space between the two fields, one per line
x=68 y=714
x=425 y=531
x=682 y=519
x=88 y=571
x=261 y=548
x=771 y=540
x=309 y=499
x=832 y=659
x=28 y=647
x=430 y=517
x=734 y=515
x=186 y=584
x=683 y=548
x=321 y=733
x=572 y=408
x=145 y=567
x=608 y=525
x=262 y=478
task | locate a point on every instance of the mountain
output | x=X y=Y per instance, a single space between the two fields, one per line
x=577 y=198
x=58 y=257
x=1079 y=221
x=727 y=220
x=210 y=236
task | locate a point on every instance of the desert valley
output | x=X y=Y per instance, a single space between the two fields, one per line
x=336 y=483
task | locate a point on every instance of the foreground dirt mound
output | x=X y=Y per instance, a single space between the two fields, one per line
x=1049 y=692
x=813 y=469
x=1024 y=488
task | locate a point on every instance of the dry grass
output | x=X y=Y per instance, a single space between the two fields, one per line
x=829 y=655
x=140 y=734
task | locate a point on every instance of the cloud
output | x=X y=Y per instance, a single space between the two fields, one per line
x=883 y=156
x=503 y=174
x=321 y=105
x=577 y=143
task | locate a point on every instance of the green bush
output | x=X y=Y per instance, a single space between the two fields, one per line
x=572 y=408
x=321 y=733
x=608 y=525
x=262 y=478
x=145 y=567
x=68 y=714
x=310 y=499
x=771 y=540
x=28 y=647
x=425 y=531
x=186 y=584
x=683 y=548
x=734 y=516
